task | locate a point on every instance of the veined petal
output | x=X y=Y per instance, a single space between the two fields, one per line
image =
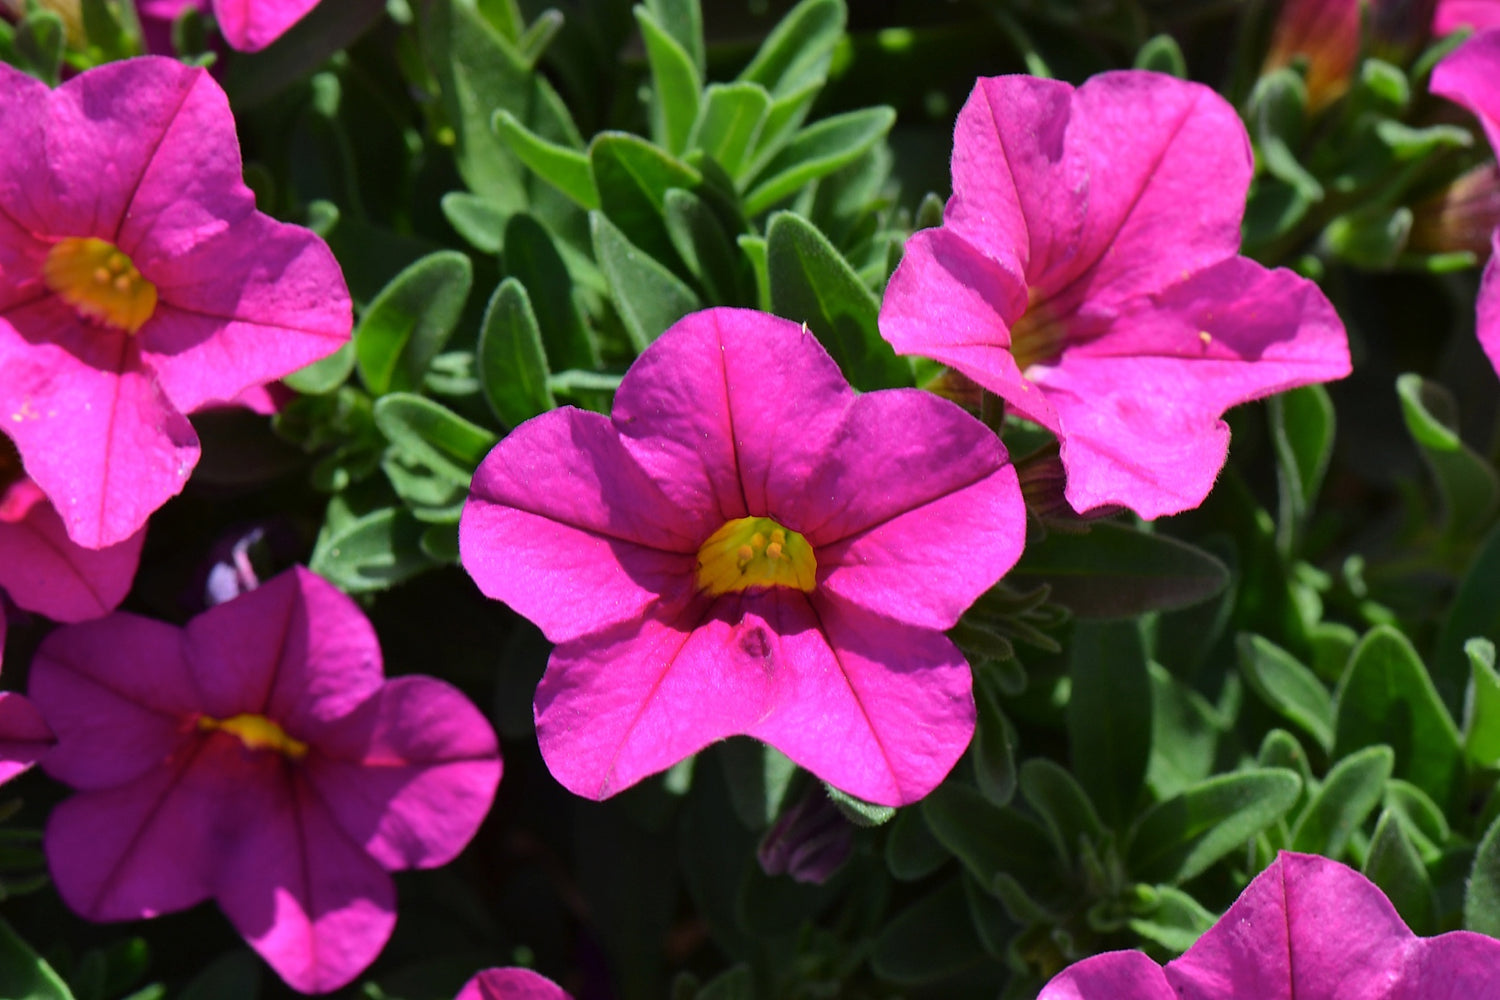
x=409 y=774
x=44 y=571
x=251 y=25
x=1467 y=77
x=923 y=485
x=566 y=528
x=706 y=410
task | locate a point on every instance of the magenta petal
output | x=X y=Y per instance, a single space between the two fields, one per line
x=118 y=694
x=45 y=571
x=24 y=735
x=410 y=773
x=315 y=906
x=928 y=485
x=251 y=25
x=1459 y=965
x=93 y=429
x=1467 y=77
x=564 y=527
x=1114 y=975
x=1139 y=406
x=1454 y=14
x=511 y=984
x=729 y=411
x=1488 y=311
x=295 y=649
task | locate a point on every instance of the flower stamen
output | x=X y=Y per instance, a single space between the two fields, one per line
x=755 y=552
x=256 y=732
x=99 y=282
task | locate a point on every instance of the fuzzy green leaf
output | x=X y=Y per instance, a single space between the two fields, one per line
x=410 y=321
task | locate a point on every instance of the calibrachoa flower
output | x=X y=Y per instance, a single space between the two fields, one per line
x=748 y=546
x=137 y=284
x=1087 y=272
x=247 y=25
x=511 y=984
x=259 y=758
x=45 y=571
x=1468 y=76
x=1307 y=928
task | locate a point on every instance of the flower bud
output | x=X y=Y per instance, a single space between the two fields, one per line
x=1459 y=217
x=1326 y=34
x=809 y=841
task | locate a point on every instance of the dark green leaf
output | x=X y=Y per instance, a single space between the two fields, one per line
x=811 y=283
x=911 y=851
x=532 y=43
x=1176 y=922
x=992 y=841
x=1387 y=697
x=1372 y=236
x=410 y=321
x=1394 y=864
x=676 y=84
x=932 y=938
x=700 y=239
x=1475 y=611
x=1161 y=54
x=371 y=552
x=532 y=259
x=755 y=252
x=797 y=50
x=1420 y=817
x=1286 y=685
x=1482 y=899
x=993 y=750
x=433 y=434
x=729 y=120
x=1468 y=484
x=1302 y=427
x=564 y=167
x=817 y=151
x=1351 y=791
x=1118 y=572
x=512 y=363
x=1181 y=837
x=648 y=297
x=1109 y=715
x=735 y=984
x=23 y=973
x=1063 y=805
x=1482 y=705
x=1185 y=732
x=39 y=41
x=1278 y=111
x=633 y=178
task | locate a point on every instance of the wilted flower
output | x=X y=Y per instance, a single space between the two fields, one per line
x=259 y=758
x=748 y=546
x=511 y=984
x=1306 y=927
x=137 y=284
x=1087 y=272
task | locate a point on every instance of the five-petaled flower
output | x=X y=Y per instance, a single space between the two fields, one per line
x=748 y=546
x=1087 y=272
x=1305 y=927
x=137 y=284
x=257 y=757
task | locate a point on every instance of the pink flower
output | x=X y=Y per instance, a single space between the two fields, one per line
x=24 y=736
x=45 y=571
x=247 y=25
x=1087 y=272
x=137 y=284
x=511 y=984
x=748 y=546
x=259 y=758
x=1468 y=77
x=1454 y=14
x=1306 y=928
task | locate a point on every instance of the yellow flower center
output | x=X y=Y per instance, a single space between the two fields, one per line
x=755 y=552
x=257 y=733
x=1037 y=336
x=99 y=282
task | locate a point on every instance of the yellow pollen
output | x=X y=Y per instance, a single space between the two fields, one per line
x=739 y=556
x=257 y=733
x=1206 y=337
x=99 y=282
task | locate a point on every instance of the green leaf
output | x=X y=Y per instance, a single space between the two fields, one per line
x=1394 y=864
x=798 y=49
x=532 y=259
x=1482 y=898
x=683 y=20
x=931 y=938
x=433 y=434
x=992 y=841
x=512 y=363
x=755 y=252
x=325 y=375
x=1468 y=484
x=633 y=178
x=1181 y=837
x=1372 y=236
x=23 y=973
x=234 y=975
x=410 y=321
x=1475 y=611
x=1062 y=803
x=1351 y=791
x=858 y=811
x=676 y=84
x=701 y=241
x=1420 y=817
x=1185 y=734
x=532 y=43
x=729 y=120
x=1114 y=571
x=1109 y=715
x=1482 y=705
x=372 y=552
x=817 y=151
x=812 y=283
x=1161 y=54
x=1177 y=921
x=993 y=750
x=39 y=42
x=1287 y=686
x=564 y=167
x=736 y=983
x=911 y=851
x=1277 y=119
x=104 y=30
x=648 y=297
x=1302 y=427
x=1387 y=697
x=480 y=222
x=783 y=118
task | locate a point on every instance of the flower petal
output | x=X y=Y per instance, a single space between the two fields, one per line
x=45 y=571
x=409 y=774
x=729 y=411
x=24 y=736
x=1466 y=76
x=1139 y=406
x=564 y=527
x=1458 y=965
x=301 y=893
x=922 y=485
x=295 y=649
x=1488 y=306
x=119 y=695
x=251 y=25
x=511 y=984
x=1114 y=975
x=1451 y=15
x=93 y=428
